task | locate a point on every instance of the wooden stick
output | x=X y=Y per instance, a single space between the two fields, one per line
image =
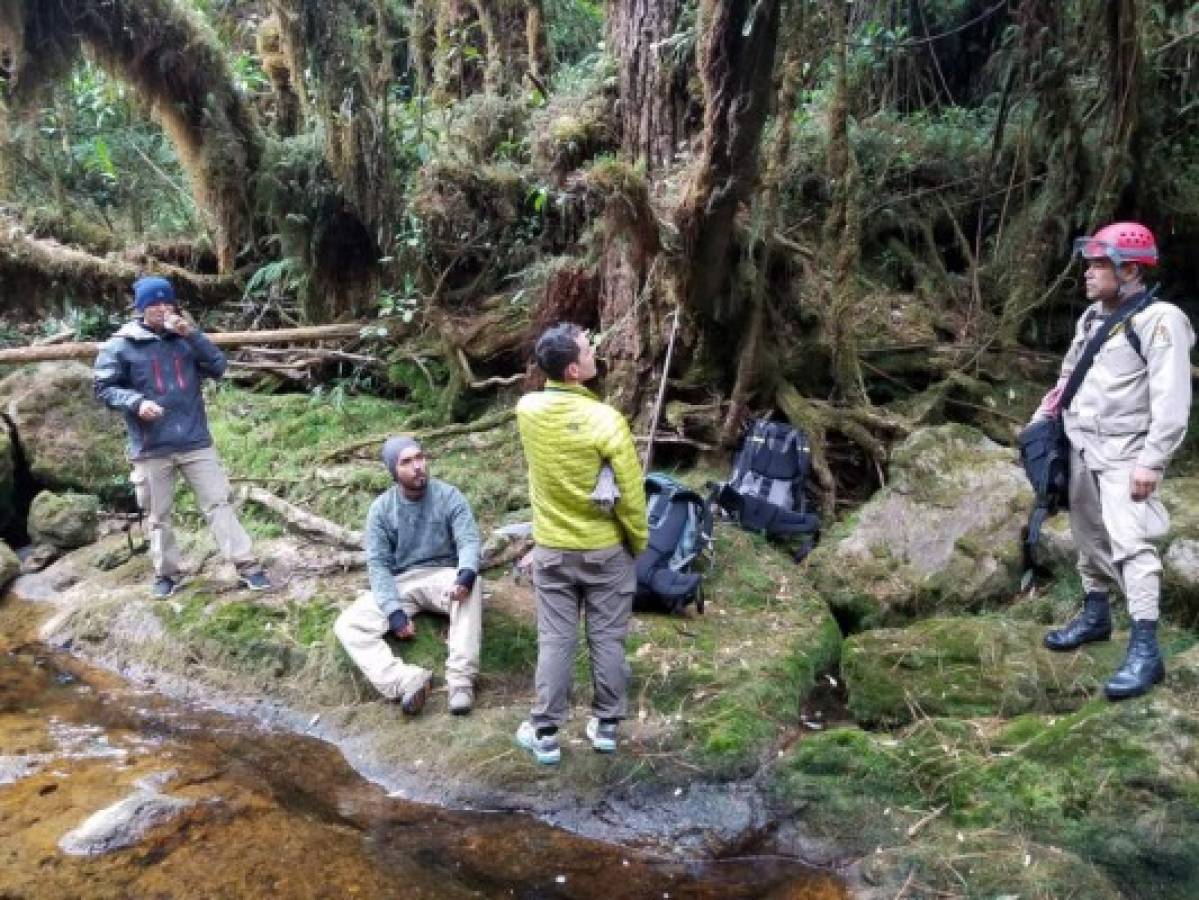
x=88 y=350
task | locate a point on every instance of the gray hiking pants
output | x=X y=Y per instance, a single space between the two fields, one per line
x=600 y=584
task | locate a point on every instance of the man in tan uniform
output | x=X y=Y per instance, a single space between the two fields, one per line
x=1126 y=420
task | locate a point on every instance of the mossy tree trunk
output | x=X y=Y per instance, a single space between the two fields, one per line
x=653 y=79
x=762 y=244
x=736 y=62
x=842 y=233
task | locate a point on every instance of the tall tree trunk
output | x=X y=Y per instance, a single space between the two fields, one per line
x=736 y=63
x=653 y=81
x=842 y=237
x=753 y=339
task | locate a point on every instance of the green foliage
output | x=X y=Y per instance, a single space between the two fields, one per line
x=110 y=164
x=575 y=29
x=276 y=280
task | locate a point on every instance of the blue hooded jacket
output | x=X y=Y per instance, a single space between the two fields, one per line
x=138 y=364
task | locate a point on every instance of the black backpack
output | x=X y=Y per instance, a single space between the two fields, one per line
x=680 y=534
x=768 y=490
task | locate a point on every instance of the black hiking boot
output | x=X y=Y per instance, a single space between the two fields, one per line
x=1142 y=667
x=1094 y=623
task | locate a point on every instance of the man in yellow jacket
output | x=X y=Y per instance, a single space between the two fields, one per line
x=583 y=559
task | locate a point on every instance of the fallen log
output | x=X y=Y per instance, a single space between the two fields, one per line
x=88 y=350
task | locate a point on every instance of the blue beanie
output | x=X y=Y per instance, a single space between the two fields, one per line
x=150 y=290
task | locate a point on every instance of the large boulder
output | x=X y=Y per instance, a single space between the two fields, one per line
x=70 y=441
x=968 y=666
x=943 y=536
x=10 y=565
x=66 y=521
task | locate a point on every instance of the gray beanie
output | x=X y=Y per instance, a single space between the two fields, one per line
x=393 y=447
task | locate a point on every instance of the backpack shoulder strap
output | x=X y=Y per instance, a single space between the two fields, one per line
x=1121 y=316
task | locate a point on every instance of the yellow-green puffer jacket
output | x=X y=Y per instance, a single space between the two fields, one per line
x=567 y=435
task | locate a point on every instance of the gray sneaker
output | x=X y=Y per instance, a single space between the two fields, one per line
x=164 y=586
x=544 y=749
x=462 y=700
x=602 y=735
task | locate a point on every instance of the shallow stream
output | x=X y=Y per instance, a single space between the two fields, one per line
x=222 y=808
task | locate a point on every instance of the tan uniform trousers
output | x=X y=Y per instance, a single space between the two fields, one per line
x=154 y=483
x=362 y=626
x=1113 y=535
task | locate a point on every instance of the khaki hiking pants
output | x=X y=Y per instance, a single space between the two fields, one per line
x=600 y=585
x=1114 y=533
x=154 y=483
x=362 y=626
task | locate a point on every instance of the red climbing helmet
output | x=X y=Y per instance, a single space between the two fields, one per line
x=1121 y=242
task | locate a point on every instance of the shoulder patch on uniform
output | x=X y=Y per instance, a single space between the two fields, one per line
x=1161 y=336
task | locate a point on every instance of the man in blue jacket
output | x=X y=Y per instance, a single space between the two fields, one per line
x=151 y=371
x=422 y=554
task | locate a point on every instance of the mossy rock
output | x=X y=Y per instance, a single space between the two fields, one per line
x=942 y=537
x=10 y=565
x=70 y=441
x=66 y=521
x=970 y=666
x=1113 y=786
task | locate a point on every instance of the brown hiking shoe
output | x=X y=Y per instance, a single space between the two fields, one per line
x=414 y=701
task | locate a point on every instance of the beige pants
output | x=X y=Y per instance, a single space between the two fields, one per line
x=1113 y=534
x=154 y=483
x=361 y=628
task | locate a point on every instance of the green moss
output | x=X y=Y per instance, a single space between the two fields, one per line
x=1115 y=785
x=967 y=667
x=284 y=443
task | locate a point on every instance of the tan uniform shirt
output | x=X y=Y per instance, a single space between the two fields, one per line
x=1131 y=411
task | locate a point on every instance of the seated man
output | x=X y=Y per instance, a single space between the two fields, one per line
x=422 y=551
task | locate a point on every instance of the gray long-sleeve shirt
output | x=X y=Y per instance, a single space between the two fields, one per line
x=401 y=534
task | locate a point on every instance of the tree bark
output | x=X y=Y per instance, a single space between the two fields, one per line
x=88 y=350
x=653 y=81
x=736 y=63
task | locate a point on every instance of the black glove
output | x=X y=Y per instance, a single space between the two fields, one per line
x=398 y=620
x=466 y=578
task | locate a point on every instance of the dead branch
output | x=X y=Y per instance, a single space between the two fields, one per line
x=303 y=521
